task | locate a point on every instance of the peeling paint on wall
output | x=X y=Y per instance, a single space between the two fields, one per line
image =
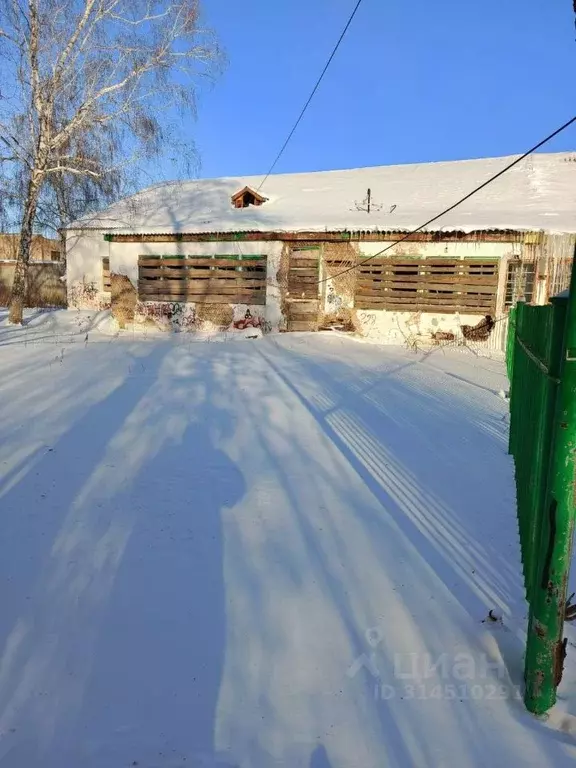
x=85 y=277
x=85 y=283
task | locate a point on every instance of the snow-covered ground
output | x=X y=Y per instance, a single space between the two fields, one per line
x=260 y=553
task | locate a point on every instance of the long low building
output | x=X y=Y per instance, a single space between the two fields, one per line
x=309 y=250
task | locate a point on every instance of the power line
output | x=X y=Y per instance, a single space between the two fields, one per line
x=456 y=204
x=305 y=107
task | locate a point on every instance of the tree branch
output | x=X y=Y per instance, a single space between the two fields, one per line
x=70 y=169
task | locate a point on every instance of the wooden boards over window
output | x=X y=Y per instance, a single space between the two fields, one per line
x=200 y=279
x=106 y=286
x=428 y=285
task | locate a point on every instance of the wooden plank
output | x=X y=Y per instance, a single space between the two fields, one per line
x=391 y=285
x=216 y=284
x=425 y=306
x=302 y=294
x=431 y=298
x=313 y=319
x=303 y=276
x=303 y=325
x=106 y=281
x=176 y=261
x=232 y=267
x=299 y=307
x=193 y=295
x=150 y=261
x=299 y=285
x=310 y=276
x=207 y=299
x=303 y=306
x=228 y=295
x=304 y=258
x=304 y=284
x=205 y=281
x=444 y=279
x=216 y=274
x=186 y=273
x=416 y=300
x=439 y=263
x=303 y=273
x=445 y=285
x=386 y=288
x=422 y=272
x=378 y=288
x=199 y=286
x=438 y=309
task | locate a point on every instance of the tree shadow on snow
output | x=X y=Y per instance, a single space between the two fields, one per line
x=393 y=444
x=113 y=627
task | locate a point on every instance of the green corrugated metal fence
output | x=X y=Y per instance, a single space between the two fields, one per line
x=541 y=360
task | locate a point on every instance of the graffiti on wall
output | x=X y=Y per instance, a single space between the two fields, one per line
x=86 y=295
x=174 y=315
x=248 y=321
x=178 y=317
x=334 y=301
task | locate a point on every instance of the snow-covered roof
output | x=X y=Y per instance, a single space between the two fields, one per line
x=537 y=194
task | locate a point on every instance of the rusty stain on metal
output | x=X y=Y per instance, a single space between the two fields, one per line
x=559 y=658
x=539 y=629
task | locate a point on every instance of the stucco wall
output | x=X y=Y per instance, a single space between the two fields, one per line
x=86 y=252
x=84 y=276
x=417 y=327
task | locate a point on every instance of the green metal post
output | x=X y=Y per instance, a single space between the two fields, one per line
x=541 y=447
x=513 y=332
x=510 y=342
x=510 y=352
x=545 y=649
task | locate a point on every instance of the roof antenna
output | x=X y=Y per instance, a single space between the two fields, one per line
x=367 y=204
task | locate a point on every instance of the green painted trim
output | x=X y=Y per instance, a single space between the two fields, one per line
x=108 y=238
x=247 y=257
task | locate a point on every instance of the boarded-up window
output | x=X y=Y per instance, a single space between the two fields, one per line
x=106 y=275
x=428 y=285
x=210 y=280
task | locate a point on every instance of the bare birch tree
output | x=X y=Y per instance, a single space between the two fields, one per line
x=87 y=88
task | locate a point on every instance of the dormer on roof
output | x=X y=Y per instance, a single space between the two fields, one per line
x=246 y=197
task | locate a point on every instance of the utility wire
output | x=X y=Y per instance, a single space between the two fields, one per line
x=305 y=107
x=456 y=204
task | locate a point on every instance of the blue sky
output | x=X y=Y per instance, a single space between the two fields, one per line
x=413 y=81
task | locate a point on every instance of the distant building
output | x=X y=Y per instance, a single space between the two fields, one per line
x=43 y=248
x=294 y=252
